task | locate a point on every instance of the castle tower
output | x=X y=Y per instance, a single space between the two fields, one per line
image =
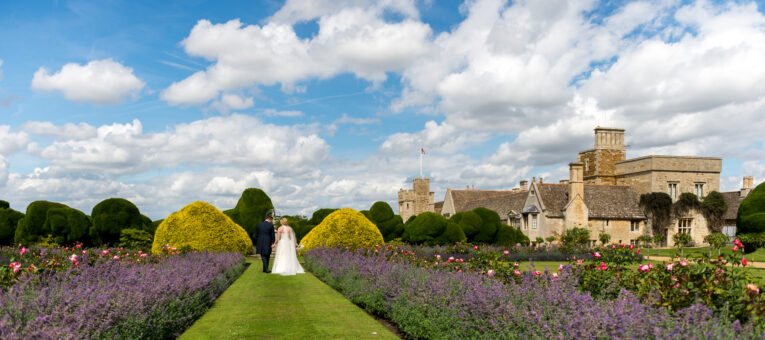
x=418 y=200
x=600 y=161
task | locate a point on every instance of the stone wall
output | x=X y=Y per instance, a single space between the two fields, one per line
x=600 y=165
x=653 y=173
x=418 y=200
x=618 y=229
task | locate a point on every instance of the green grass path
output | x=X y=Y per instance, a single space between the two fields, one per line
x=267 y=306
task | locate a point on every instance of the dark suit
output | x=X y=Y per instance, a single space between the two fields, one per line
x=266 y=237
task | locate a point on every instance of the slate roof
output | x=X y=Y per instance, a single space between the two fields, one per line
x=733 y=200
x=438 y=206
x=603 y=201
x=461 y=198
x=512 y=201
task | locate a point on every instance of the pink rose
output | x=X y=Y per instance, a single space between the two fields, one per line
x=516 y=265
x=743 y=261
x=475 y=248
x=753 y=288
x=115 y=257
x=555 y=275
x=438 y=257
x=669 y=266
x=638 y=252
x=84 y=251
x=603 y=266
x=650 y=265
x=684 y=263
x=676 y=285
x=631 y=247
x=613 y=246
x=451 y=259
x=517 y=272
x=643 y=268
x=735 y=248
x=597 y=255
x=490 y=272
x=560 y=267
x=506 y=252
x=738 y=243
x=537 y=273
x=79 y=245
x=16 y=266
x=23 y=251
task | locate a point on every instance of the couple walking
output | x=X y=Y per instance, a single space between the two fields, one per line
x=286 y=261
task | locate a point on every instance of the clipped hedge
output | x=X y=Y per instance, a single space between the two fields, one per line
x=135 y=239
x=319 y=215
x=470 y=223
x=201 y=226
x=68 y=225
x=31 y=228
x=345 y=226
x=452 y=234
x=426 y=228
x=509 y=236
x=112 y=215
x=391 y=225
x=9 y=219
x=4 y=204
x=489 y=224
x=750 y=218
x=250 y=210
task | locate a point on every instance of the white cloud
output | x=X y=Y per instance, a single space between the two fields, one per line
x=441 y=138
x=351 y=40
x=3 y=171
x=301 y=10
x=11 y=142
x=288 y=113
x=229 y=101
x=68 y=131
x=346 y=119
x=98 y=82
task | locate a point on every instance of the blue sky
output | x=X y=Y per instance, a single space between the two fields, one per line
x=327 y=103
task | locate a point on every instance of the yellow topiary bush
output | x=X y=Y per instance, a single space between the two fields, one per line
x=344 y=226
x=201 y=226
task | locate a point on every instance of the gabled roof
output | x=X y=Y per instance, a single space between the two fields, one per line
x=733 y=200
x=460 y=198
x=512 y=201
x=603 y=201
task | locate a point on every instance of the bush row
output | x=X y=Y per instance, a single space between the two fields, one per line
x=477 y=226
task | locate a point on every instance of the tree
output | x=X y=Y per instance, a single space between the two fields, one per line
x=31 y=228
x=424 y=229
x=716 y=241
x=540 y=241
x=68 y=226
x=681 y=240
x=750 y=218
x=604 y=238
x=112 y=215
x=646 y=242
x=391 y=225
x=4 y=205
x=658 y=207
x=714 y=207
x=510 y=236
x=550 y=239
x=575 y=237
x=250 y=210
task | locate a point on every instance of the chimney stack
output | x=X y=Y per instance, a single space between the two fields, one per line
x=540 y=180
x=576 y=185
x=473 y=187
x=534 y=179
x=747 y=187
x=524 y=184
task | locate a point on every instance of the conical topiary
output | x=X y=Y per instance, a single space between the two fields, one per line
x=201 y=226
x=250 y=210
x=345 y=226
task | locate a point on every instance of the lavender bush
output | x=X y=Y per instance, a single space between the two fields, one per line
x=117 y=300
x=430 y=303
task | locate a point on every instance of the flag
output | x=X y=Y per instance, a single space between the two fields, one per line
x=422 y=151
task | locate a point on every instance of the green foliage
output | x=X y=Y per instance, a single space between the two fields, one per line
x=155 y=225
x=410 y=219
x=426 y=228
x=681 y=240
x=658 y=207
x=319 y=215
x=390 y=225
x=575 y=238
x=714 y=207
x=250 y=210
x=489 y=224
x=32 y=227
x=752 y=241
x=135 y=239
x=751 y=216
x=201 y=226
x=470 y=223
x=68 y=226
x=539 y=241
x=685 y=203
x=645 y=241
x=9 y=219
x=550 y=239
x=345 y=226
x=112 y=215
x=604 y=238
x=716 y=241
x=4 y=205
x=452 y=234
x=510 y=236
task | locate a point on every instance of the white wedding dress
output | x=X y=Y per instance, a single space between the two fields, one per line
x=286 y=261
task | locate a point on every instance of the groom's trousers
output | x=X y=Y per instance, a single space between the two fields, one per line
x=265 y=259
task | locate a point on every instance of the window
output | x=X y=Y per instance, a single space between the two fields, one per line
x=634 y=226
x=672 y=190
x=684 y=225
x=533 y=221
x=407 y=205
x=607 y=223
x=698 y=189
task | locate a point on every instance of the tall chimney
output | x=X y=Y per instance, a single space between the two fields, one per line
x=609 y=138
x=534 y=179
x=541 y=180
x=575 y=185
x=524 y=184
x=747 y=187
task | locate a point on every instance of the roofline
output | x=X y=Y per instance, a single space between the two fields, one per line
x=667 y=156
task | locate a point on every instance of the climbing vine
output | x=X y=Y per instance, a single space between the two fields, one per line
x=658 y=208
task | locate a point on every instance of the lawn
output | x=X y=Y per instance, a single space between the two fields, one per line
x=261 y=306
x=758 y=255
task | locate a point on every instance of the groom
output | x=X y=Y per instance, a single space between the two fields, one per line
x=266 y=238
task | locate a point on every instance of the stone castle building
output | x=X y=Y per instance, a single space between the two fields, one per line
x=602 y=194
x=417 y=200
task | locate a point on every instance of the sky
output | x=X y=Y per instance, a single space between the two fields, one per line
x=327 y=103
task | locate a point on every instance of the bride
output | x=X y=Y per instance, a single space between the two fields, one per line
x=286 y=261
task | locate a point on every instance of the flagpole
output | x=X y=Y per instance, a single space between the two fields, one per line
x=420 y=163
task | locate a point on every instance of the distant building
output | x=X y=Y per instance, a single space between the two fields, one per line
x=457 y=200
x=417 y=200
x=733 y=200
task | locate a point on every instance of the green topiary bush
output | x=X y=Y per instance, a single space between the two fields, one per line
x=9 y=219
x=391 y=225
x=32 y=227
x=68 y=226
x=345 y=226
x=4 y=205
x=424 y=229
x=112 y=215
x=470 y=222
x=452 y=234
x=319 y=215
x=489 y=224
x=201 y=226
x=250 y=210
x=135 y=239
x=509 y=236
x=750 y=218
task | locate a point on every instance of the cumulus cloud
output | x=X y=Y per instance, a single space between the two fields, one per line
x=351 y=40
x=298 y=10
x=11 y=142
x=441 y=138
x=3 y=171
x=68 y=131
x=98 y=82
x=346 y=119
